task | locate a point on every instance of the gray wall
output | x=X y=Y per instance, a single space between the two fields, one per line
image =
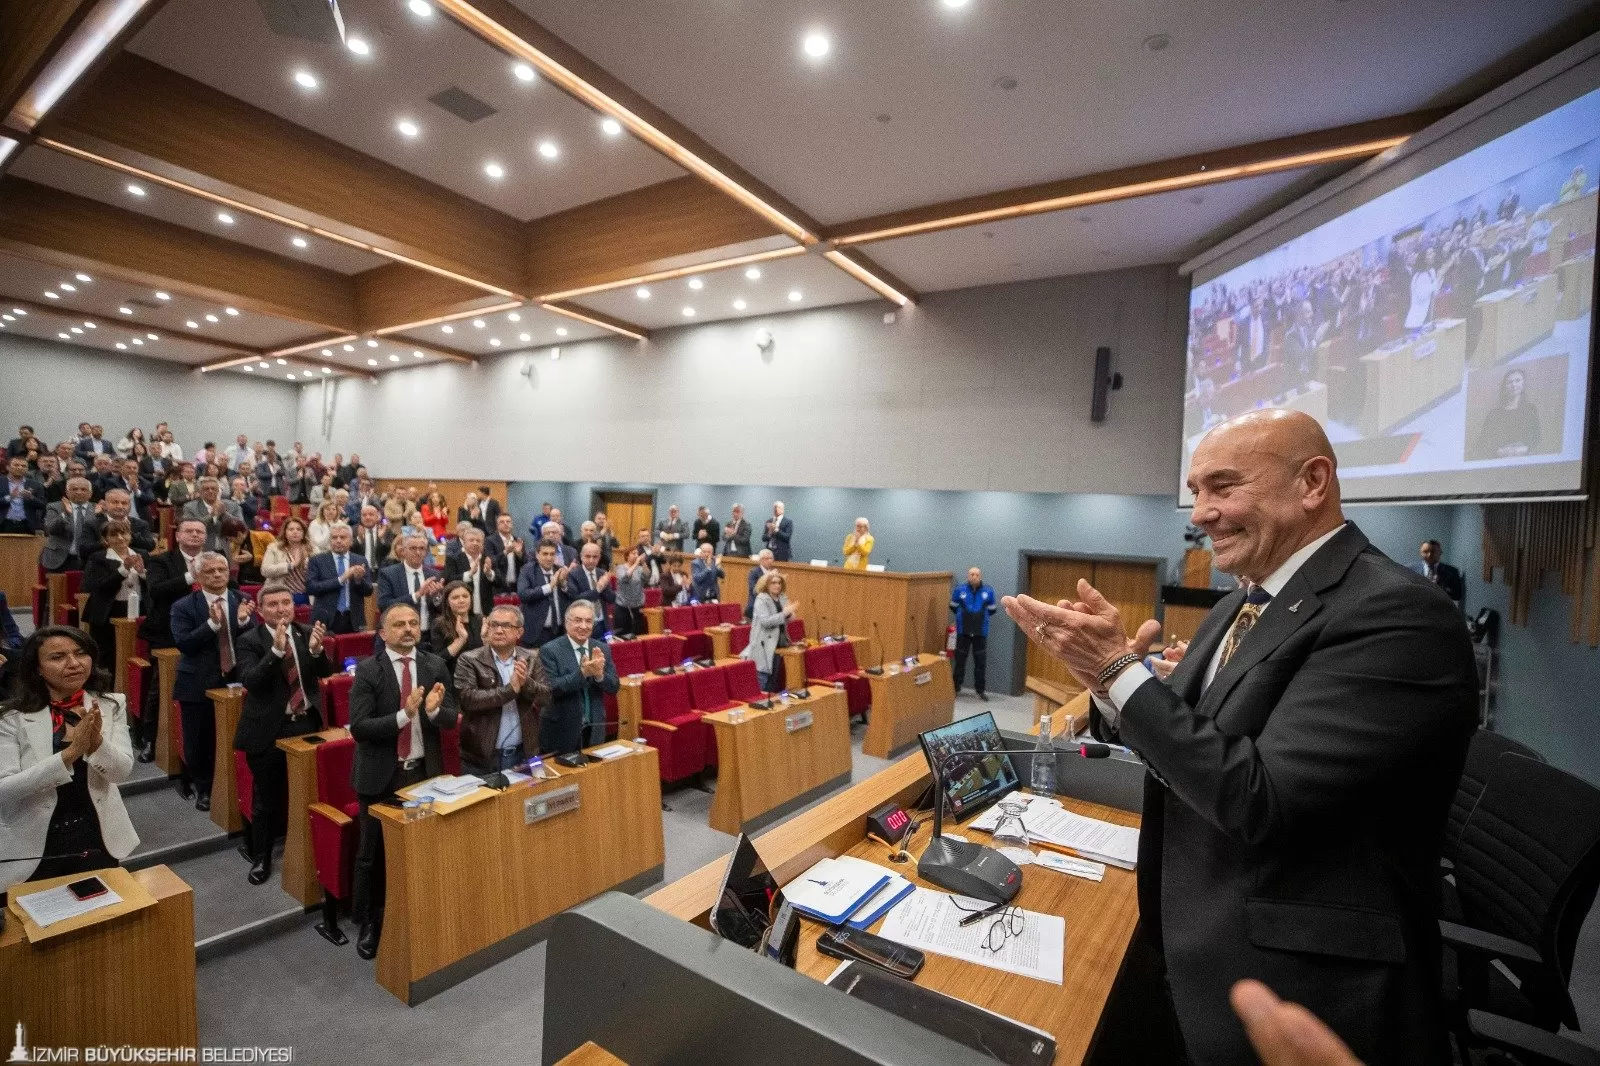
x=977 y=389
x=53 y=386
x=921 y=530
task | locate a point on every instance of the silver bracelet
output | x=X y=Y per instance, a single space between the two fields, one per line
x=1118 y=665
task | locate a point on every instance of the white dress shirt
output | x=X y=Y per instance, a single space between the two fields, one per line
x=1130 y=679
x=401 y=718
x=415 y=579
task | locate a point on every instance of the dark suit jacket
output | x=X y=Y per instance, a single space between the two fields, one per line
x=561 y=723
x=480 y=696
x=736 y=538
x=358 y=544
x=265 y=677
x=1295 y=807
x=374 y=702
x=200 y=665
x=101 y=580
x=778 y=541
x=322 y=585
x=484 y=522
x=144 y=539
x=32 y=506
x=579 y=588
x=392 y=588
x=167 y=578
x=457 y=567
x=1448 y=578
x=536 y=601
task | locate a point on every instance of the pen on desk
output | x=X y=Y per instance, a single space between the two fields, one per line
x=978 y=916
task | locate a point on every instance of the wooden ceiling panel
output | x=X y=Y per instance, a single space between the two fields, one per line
x=73 y=231
x=143 y=115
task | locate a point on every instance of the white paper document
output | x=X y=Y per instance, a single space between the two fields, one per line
x=1050 y=823
x=447 y=789
x=931 y=921
x=58 y=904
x=614 y=751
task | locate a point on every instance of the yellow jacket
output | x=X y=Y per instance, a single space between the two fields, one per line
x=857 y=551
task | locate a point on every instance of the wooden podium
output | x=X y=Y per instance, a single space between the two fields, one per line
x=299 y=866
x=126 y=980
x=769 y=762
x=19 y=566
x=907 y=700
x=910 y=611
x=229 y=704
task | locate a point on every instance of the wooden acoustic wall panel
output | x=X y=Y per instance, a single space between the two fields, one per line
x=74 y=231
x=1130 y=586
x=634 y=233
x=142 y=114
x=395 y=296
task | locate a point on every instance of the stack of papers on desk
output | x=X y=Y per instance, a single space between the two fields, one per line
x=931 y=921
x=1049 y=823
x=835 y=889
x=614 y=751
x=447 y=789
x=58 y=904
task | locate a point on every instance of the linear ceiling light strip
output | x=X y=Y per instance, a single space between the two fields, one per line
x=453 y=316
x=593 y=320
x=867 y=278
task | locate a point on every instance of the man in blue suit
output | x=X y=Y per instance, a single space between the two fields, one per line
x=542 y=590
x=779 y=531
x=339 y=581
x=588 y=582
x=412 y=580
x=580 y=672
x=206 y=626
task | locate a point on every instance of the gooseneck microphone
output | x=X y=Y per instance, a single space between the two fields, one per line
x=876 y=670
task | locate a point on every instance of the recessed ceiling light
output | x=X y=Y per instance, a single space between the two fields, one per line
x=283 y=362
x=358 y=45
x=19 y=312
x=224 y=218
x=121 y=347
x=794 y=296
x=305 y=79
x=524 y=337
x=264 y=364
x=231 y=310
x=163 y=296
x=753 y=274
x=327 y=351
x=447 y=329
x=816 y=45
x=561 y=331
x=136 y=190
x=83 y=278
x=52 y=295
x=8 y=318
x=548 y=149
x=247 y=370
x=212 y=318
x=697 y=284
x=494 y=170
x=494 y=342
x=327 y=370
x=513 y=317
x=124 y=310
x=688 y=312
x=298 y=242
x=192 y=324
x=138 y=340
x=416 y=354
x=478 y=323
x=610 y=127
x=65 y=336
x=152 y=336
x=349 y=347
x=371 y=343
x=407 y=128
x=953 y=4
x=372 y=362
x=420 y=8
x=290 y=375
x=77 y=329
x=642 y=293
x=524 y=72
x=90 y=325
x=67 y=286
x=393 y=358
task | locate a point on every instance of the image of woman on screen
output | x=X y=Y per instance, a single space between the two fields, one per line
x=1512 y=428
x=1424 y=284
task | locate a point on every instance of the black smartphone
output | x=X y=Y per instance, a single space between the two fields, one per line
x=313 y=738
x=88 y=888
x=858 y=945
x=577 y=759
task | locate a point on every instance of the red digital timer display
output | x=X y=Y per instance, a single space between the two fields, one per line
x=897 y=820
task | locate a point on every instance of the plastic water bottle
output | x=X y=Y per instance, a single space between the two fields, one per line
x=350 y=665
x=1042 y=777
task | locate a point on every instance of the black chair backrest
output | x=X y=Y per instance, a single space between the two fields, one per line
x=1485 y=748
x=1527 y=866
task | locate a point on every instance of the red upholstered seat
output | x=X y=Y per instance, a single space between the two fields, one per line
x=708 y=690
x=138 y=680
x=335 y=697
x=857 y=689
x=731 y=613
x=67 y=610
x=672 y=727
x=450 y=748
x=333 y=830
x=41 y=594
x=743 y=683
x=279 y=509
x=797 y=630
x=664 y=649
x=244 y=785
x=628 y=657
x=506 y=599
x=652 y=597
x=250 y=592
x=350 y=646
x=707 y=614
x=679 y=620
x=738 y=639
x=819 y=666
x=302 y=613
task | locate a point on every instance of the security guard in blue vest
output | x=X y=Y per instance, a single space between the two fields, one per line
x=972 y=604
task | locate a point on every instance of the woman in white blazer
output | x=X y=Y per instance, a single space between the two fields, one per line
x=769 y=627
x=64 y=746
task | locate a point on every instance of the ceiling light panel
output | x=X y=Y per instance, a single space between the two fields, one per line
x=412 y=56
x=721 y=292
x=83 y=178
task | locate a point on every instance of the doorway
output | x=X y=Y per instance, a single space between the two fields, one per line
x=628 y=513
x=1132 y=584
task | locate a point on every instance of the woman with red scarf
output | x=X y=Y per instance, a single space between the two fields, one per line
x=64 y=746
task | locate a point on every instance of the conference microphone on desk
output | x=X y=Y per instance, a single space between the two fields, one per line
x=876 y=670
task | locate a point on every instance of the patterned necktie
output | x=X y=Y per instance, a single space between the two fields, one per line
x=341 y=564
x=297 y=692
x=1255 y=601
x=403 y=742
x=225 y=641
x=583 y=656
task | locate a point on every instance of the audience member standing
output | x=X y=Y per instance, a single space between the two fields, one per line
x=114 y=578
x=705 y=576
x=169 y=577
x=1441 y=573
x=435 y=515
x=541 y=588
x=459 y=627
x=507 y=550
x=758 y=573
x=581 y=674
x=338 y=582
x=500 y=691
x=736 y=534
x=412 y=580
x=670 y=531
x=858 y=546
x=206 y=627
x=589 y=582
x=223 y=518
x=769 y=627
x=401 y=698
x=707 y=530
x=288 y=558
x=779 y=532
x=280 y=663
x=68 y=529
x=973 y=604
x=22 y=509
x=474 y=568
x=627 y=619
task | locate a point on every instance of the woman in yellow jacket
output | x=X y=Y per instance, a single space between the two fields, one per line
x=858 y=546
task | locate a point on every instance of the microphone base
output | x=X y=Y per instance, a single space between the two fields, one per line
x=970 y=870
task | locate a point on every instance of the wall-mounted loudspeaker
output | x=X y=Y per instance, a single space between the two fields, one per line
x=1105 y=383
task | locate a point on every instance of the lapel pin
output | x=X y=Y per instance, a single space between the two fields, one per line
x=1295 y=606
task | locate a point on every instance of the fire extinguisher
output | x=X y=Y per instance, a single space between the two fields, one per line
x=950 y=641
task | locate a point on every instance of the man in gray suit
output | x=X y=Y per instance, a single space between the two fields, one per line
x=1301 y=756
x=69 y=528
x=216 y=513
